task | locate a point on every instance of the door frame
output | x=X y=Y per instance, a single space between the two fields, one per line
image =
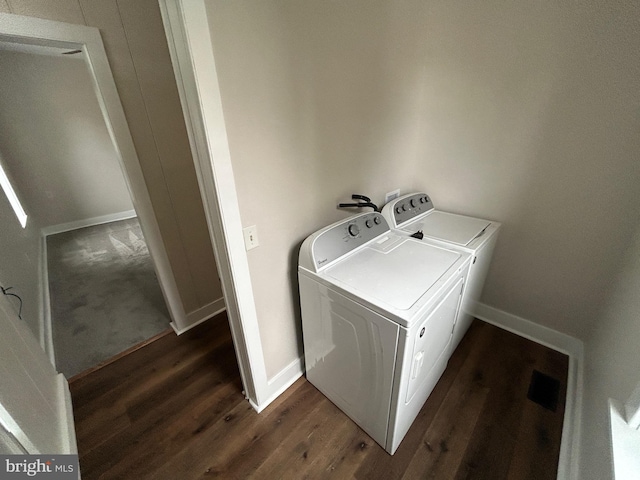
x=190 y=46
x=36 y=31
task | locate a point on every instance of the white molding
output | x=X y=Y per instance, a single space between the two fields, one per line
x=46 y=327
x=87 y=222
x=546 y=336
x=569 y=462
x=281 y=382
x=189 y=40
x=624 y=443
x=22 y=440
x=67 y=428
x=201 y=315
x=10 y=443
x=208 y=311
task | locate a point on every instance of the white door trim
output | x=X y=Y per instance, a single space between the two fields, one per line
x=194 y=65
x=20 y=29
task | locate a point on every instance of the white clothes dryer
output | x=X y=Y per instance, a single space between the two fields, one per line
x=378 y=312
x=414 y=213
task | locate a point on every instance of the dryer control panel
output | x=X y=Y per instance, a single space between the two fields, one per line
x=343 y=237
x=408 y=207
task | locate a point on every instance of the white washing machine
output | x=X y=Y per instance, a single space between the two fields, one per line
x=414 y=213
x=378 y=312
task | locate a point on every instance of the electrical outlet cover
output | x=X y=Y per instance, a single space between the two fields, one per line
x=391 y=195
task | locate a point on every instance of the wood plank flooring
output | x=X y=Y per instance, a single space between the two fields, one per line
x=174 y=410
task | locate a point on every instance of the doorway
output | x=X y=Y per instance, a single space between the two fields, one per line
x=70 y=36
x=104 y=296
x=66 y=146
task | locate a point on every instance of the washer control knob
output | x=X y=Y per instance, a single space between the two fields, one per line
x=404 y=207
x=354 y=230
x=424 y=199
x=413 y=202
x=398 y=210
x=376 y=220
x=368 y=223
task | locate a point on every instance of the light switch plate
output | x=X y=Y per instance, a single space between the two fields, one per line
x=251 y=237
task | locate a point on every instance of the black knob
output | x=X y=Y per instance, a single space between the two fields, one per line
x=398 y=210
x=413 y=202
x=404 y=207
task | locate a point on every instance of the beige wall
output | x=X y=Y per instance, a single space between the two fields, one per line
x=313 y=114
x=55 y=142
x=526 y=114
x=137 y=51
x=530 y=117
x=519 y=112
x=612 y=362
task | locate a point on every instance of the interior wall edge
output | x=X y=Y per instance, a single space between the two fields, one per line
x=46 y=327
x=189 y=41
x=88 y=222
x=202 y=314
x=569 y=462
x=280 y=382
x=67 y=429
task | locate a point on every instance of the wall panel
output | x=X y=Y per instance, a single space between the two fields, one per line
x=147 y=43
x=61 y=10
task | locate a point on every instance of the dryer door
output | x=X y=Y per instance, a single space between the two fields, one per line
x=350 y=354
x=426 y=357
x=431 y=341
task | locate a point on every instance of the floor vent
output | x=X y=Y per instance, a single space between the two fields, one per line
x=544 y=390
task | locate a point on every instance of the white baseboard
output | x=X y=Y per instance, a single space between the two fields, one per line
x=569 y=462
x=67 y=427
x=546 y=336
x=281 y=382
x=201 y=315
x=88 y=222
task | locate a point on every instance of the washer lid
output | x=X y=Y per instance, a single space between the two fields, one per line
x=448 y=227
x=398 y=276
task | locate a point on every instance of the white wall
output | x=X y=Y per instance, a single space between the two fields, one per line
x=612 y=362
x=55 y=141
x=20 y=262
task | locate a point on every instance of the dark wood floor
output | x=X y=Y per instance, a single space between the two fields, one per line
x=174 y=410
